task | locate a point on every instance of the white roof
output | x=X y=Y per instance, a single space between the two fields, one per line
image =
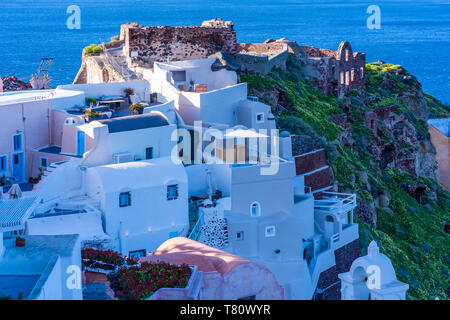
x=34 y=95
x=14 y=213
x=137 y=174
x=172 y=67
x=241 y=133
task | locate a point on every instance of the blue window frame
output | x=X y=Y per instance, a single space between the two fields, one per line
x=17 y=142
x=124 y=199
x=172 y=192
x=43 y=162
x=3 y=163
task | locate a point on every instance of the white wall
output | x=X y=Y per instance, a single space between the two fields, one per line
x=151 y=217
x=219 y=106
x=275 y=193
x=96 y=90
x=136 y=141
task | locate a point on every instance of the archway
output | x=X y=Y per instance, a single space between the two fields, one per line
x=361 y=291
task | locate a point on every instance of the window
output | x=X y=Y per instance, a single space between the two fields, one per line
x=3 y=163
x=124 y=199
x=172 y=192
x=255 y=209
x=16 y=159
x=240 y=235
x=353 y=75
x=342 y=77
x=347 y=55
x=43 y=162
x=270 y=231
x=17 y=142
x=260 y=117
x=149 y=153
x=137 y=254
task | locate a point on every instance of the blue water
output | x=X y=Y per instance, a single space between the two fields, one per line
x=415 y=34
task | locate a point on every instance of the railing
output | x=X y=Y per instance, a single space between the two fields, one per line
x=335 y=237
x=341 y=202
x=124 y=71
x=195 y=233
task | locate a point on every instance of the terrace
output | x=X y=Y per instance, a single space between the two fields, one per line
x=31 y=272
x=107 y=107
x=333 y=202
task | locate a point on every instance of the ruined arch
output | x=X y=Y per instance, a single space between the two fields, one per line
x=345 y=51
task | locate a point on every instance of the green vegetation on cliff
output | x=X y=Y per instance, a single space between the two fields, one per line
x=409 y=230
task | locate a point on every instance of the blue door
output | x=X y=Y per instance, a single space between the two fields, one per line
x=18 y=167
x=80 y=143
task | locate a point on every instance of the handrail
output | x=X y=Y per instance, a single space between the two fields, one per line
x=195 y=233
x=125 y=72
x=341 y=200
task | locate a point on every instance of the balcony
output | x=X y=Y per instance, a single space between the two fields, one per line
x=333 y=202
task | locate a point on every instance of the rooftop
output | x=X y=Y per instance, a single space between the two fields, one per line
x=13 y=213
x=23 y=96
x=181 y=250
x=25 y=269
x=135 y=122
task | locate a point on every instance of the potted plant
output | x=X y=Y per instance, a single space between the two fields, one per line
x=91 y=101
x=89 y=115
x=129 y=92
x=20 y=242
x=137 y=108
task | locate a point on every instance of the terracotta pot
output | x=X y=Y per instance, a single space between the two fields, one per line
x=20 y=243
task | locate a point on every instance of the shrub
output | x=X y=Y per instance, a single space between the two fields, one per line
x=107 y=256
x=140 y=282
x=90 y=100
x=115 y=38
x=93 y=49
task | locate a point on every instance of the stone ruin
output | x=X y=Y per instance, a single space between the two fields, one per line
x=334 y=72
x=145 y=45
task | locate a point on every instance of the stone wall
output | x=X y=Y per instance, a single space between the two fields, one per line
x=261 y=58
x=311 y=161
x=302 y=144
x=329 y=285
x=145 y=45
x=319 y=179
x=97 y=69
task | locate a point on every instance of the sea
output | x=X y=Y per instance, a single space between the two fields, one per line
x=414 y=34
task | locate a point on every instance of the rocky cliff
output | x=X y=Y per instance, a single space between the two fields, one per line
x=379 y=147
